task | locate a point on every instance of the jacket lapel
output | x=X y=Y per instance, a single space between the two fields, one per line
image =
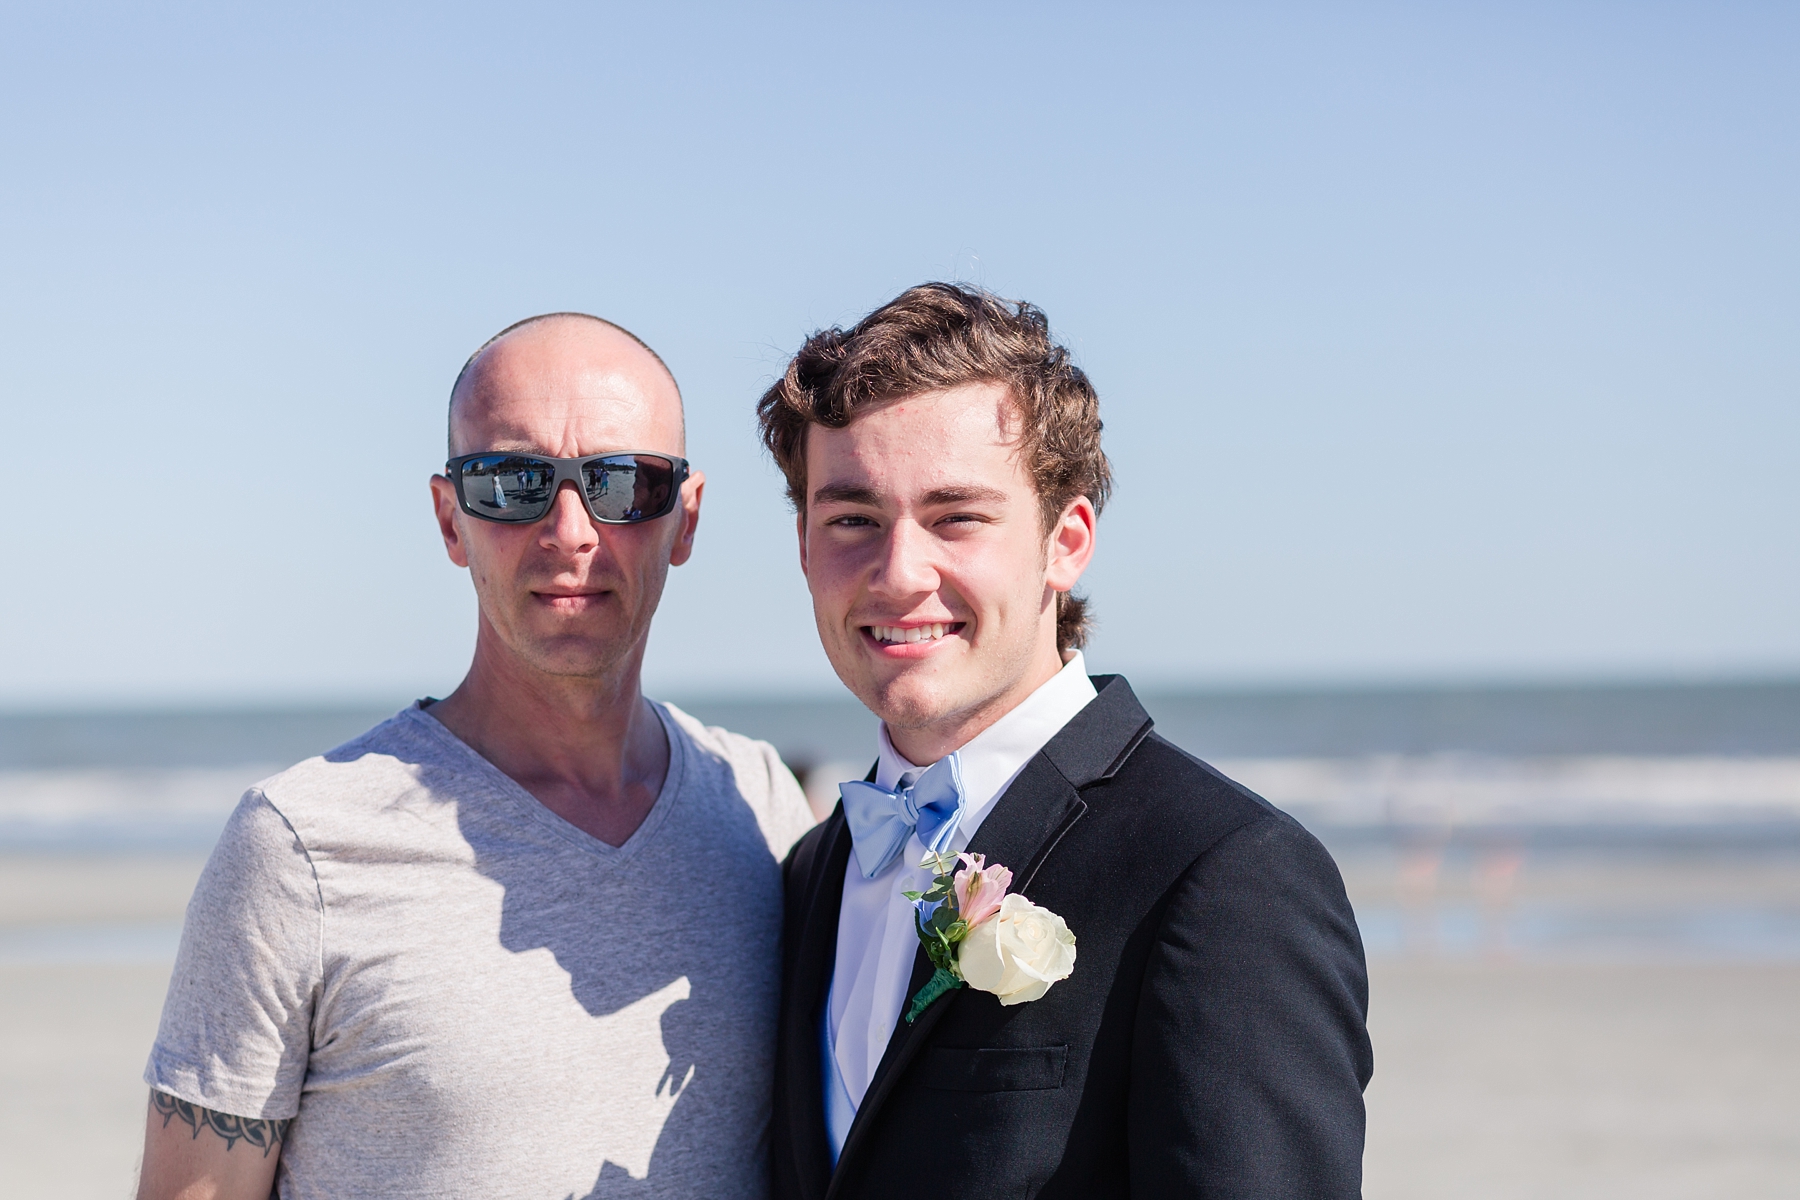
x=1020 y=832
x=815 y=956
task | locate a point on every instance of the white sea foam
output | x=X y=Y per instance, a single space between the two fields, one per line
x=187 y=806
x=184 y=806
x=1475 y=790
x=1465 y=790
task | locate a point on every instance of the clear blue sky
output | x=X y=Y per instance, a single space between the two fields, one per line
x=1434 y=342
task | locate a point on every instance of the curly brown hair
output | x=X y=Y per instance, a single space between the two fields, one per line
x=938 y=336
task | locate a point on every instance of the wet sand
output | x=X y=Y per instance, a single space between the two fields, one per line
x=1494 y=1078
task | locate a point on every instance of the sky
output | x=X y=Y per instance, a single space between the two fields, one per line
x=1434 y=343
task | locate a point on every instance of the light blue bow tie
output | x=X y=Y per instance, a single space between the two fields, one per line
x=881 y=821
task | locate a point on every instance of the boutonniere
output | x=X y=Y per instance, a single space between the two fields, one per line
x=976 y=933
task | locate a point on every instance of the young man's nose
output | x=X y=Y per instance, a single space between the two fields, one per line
x=907 y=566
x=568 y=527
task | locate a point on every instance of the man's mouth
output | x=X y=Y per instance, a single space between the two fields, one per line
x=903 y=635
x=569 y=600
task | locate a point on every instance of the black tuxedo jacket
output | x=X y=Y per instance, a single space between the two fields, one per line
x=1211 y=1041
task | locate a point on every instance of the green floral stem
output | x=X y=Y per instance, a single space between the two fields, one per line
x=941 y=981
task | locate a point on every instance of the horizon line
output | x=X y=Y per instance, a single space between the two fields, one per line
x=224 y=705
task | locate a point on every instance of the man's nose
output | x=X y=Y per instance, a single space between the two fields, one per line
x=907 y=567
x=567 y=526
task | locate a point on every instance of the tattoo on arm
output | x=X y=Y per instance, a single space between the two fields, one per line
x=266 y=1134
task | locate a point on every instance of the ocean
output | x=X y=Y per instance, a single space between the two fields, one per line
x=1596 y=820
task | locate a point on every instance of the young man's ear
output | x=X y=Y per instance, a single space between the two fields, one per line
x=800 y=529
x=1071 y=545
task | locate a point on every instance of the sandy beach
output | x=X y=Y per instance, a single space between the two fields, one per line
x=1580 y=1080
x=1497 y=1076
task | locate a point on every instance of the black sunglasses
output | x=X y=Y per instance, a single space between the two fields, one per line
x=621 y=488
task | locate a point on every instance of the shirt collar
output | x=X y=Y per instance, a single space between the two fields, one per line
x=993 y=758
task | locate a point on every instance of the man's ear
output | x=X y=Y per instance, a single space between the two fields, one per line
x=690 y=518
x=800 y=528
x=1071 y=545
x=443 y=502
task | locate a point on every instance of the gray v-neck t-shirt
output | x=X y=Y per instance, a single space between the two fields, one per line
x=458 y=993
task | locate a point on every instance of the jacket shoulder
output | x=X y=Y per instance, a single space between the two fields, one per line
x=1192 y=806
x=1178 y=780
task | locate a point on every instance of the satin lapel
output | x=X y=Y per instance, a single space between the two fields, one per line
x=1023 y=828
x=804 y=1006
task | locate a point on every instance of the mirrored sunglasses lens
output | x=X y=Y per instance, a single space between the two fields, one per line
x=506 y=487
x=630 y=487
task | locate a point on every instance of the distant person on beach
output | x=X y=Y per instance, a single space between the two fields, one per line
x=522 y=941
x=1040 y=951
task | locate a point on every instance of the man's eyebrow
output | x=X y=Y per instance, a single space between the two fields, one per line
x=847 y=493
x=963 y=494
x=868 y=497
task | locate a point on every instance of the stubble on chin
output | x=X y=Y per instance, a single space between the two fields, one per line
x=571 y=657
x=593 y=646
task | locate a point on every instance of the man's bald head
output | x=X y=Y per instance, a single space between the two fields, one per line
x=566 y=596
x=557 y=359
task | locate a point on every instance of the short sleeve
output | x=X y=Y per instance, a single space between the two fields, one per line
x=785 y=816
x=761 y=778
x=237 y=1024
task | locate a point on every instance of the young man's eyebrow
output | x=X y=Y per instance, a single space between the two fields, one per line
x=847 y=493
x=972 y=493
x=852 y=493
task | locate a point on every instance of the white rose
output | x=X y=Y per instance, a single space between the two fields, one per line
x=1018 y=952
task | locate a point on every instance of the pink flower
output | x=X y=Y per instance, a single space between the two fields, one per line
x=980 y=888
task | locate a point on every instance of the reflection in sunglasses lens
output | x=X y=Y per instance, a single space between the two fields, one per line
x=629 y=488
x=507 y=487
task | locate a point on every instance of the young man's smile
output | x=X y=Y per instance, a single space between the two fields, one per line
x=902 y=640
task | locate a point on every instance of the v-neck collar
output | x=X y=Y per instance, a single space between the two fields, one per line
x=510 y=790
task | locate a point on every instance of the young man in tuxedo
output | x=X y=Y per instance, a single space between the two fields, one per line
x=944 y=460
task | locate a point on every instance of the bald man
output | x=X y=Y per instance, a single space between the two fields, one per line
x=521 y=941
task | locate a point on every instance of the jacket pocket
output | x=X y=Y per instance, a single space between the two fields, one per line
x=999 y=1069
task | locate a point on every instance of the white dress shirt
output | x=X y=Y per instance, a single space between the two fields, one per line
x=876 y=940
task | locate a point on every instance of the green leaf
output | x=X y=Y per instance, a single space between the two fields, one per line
x=941 y=953
x=941 y=982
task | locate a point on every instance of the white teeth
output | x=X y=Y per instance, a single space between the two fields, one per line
x=895 y=635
